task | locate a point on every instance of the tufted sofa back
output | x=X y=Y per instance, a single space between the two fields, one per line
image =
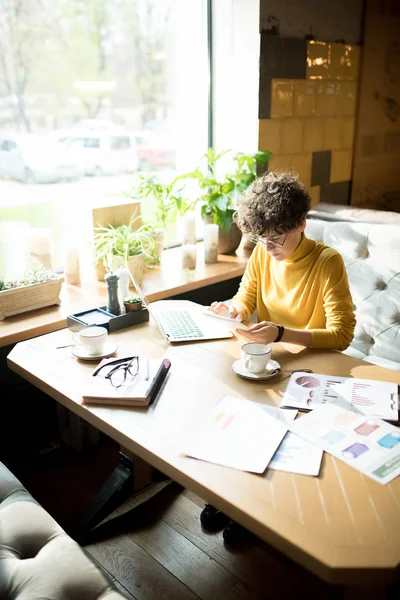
x=37 y=558
x=371 y=253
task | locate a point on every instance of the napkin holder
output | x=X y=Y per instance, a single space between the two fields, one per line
x=100 y=316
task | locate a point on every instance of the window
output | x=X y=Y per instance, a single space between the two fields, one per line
x=120 y=143
x=9 y=145
x=104 y=89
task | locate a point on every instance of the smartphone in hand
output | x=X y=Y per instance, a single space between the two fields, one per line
x=233 y=323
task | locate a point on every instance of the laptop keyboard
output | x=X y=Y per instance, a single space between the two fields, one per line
x=180 y=324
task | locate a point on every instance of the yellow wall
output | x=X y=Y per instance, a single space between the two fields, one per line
x=376 y=176
x=315 y=114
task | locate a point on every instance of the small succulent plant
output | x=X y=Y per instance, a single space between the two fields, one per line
x=133 y=300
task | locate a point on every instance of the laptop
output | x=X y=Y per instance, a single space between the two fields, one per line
x=183 y=320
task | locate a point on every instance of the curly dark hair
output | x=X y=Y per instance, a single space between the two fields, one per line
x=274 y=203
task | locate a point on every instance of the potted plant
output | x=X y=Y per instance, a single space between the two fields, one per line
x=133 y=303
x=134 y=248
x=168 y=200
x=151 y=188
x=219 y=193
x=36 y=289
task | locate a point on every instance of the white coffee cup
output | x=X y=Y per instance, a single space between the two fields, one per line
x=255 y=356
x=92 y=339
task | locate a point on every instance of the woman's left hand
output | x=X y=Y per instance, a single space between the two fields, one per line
x=264 y=332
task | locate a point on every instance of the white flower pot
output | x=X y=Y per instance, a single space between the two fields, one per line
x=228 y=243
x=101 y=270
x=159 y=242
x=136 y=267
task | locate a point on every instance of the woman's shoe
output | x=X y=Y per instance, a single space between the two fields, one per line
x=213 y=519
x=235 y=533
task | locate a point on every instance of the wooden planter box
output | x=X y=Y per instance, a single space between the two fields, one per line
x=30 y=297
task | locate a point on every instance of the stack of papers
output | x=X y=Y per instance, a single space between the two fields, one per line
x=373 y=398
x=294 y=455
x=367 y=444
x=248 y=436
x=238 y=434
x=245 y=435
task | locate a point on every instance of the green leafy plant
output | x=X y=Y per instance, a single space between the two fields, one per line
x=169 y=199
x=36 y=275
x=123 y=241
x=219 y=194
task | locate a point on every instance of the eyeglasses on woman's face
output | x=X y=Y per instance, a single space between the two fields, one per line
x=268 y=243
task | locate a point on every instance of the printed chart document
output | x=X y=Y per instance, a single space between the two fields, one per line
x=368 y=444
x=373 y=398
x=294 y=455
x=236 y=433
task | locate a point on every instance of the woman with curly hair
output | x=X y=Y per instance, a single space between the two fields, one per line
x=298 y=286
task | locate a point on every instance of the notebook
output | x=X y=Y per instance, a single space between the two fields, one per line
x=140 y=390
x=306 y=391
x=184 y=321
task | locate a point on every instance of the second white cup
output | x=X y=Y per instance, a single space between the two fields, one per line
x=255 y=356
x=92 y=339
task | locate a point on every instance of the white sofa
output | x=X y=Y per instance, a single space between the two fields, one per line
x=371 y=252
x=340 y=212
x=37 y=558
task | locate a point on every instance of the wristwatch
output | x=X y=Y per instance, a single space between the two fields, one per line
x=281 y=330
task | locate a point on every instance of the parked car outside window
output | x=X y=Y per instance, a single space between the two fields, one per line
x=155 y=150
x=35 y=159
x=104 y=152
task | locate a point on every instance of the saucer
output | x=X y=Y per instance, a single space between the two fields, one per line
x=273 y=368
x=80 y=352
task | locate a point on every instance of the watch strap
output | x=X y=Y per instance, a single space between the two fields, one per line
x=281 y=330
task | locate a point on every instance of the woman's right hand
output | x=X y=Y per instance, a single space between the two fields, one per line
x=222 y=309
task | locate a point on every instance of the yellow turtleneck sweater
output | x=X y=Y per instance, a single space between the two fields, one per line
x=307 y=290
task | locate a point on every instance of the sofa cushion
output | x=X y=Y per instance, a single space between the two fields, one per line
x=37 y=558
x=11 y=490
x=371 y=253
x=340 y=212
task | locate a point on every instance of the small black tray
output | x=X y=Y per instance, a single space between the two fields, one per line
x=100 y=316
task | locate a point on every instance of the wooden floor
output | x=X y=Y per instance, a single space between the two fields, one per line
x=156 y=549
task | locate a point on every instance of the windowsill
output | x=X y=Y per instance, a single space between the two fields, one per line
x=161 y=282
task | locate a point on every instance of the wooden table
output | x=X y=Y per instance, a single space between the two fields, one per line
x=163 y=281
x=342 y=525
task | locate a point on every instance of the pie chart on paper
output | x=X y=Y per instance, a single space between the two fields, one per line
x=306 y=381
